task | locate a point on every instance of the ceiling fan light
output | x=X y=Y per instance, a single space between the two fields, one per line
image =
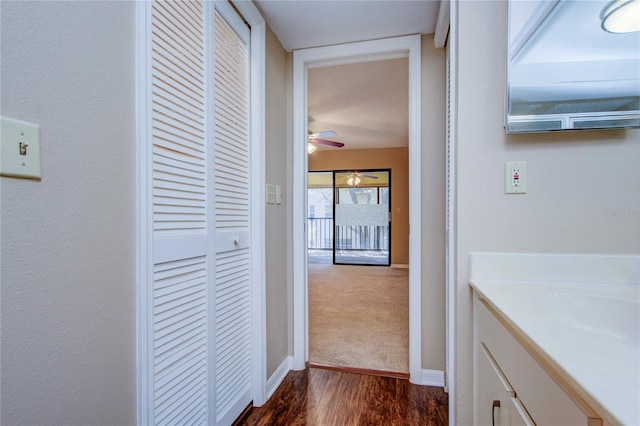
x=350 y=181
x=621 y=16
x=357 y=180
x=311 y=148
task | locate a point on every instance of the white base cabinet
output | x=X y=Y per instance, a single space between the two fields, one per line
x=511 y=387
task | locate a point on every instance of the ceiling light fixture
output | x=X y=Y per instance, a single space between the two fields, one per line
x=621 y=16
x=353 y=180
x=311 y=148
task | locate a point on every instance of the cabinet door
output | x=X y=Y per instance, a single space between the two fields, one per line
x=518 y=414
x=493 y=392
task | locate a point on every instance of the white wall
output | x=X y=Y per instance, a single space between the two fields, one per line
x=575 y=179
x=68 y=241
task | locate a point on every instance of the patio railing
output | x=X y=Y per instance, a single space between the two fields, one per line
x=320 y=233
x=321 y=236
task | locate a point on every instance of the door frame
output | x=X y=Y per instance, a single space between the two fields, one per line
x=376 y=50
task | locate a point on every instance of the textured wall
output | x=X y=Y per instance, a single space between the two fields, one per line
x=68 y=241
x=575 y=179
x=276 y=217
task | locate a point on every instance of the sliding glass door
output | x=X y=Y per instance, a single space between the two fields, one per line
x=361 y=212
x=320 y=217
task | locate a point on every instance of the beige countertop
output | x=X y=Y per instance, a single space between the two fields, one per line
x=587 y=333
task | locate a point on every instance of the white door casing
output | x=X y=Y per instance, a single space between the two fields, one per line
x=400 y=47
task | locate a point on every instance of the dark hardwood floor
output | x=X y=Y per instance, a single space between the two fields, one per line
x=326 y=397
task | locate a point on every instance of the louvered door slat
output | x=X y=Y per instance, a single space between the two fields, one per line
x=234 y=81
x=189 y=10
x=229 y=385
x=168 y=94
x=232 y=134
x=231 y=152
x=169 y=120
x=188 y=36
x=174 y=115
x=177 y=71
x=177 y=189
x=234 y=177
x=232 y=196
x=175 y=13
x=229 y=115
x=181 y=135
x=228 y=106
x=229 y=101
x=232 y=343
x=233 y=148
x=194 y=370
x=166 y=176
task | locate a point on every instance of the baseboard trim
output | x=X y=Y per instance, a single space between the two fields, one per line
x=400 y=265
x=433 y=378
x=278 y=376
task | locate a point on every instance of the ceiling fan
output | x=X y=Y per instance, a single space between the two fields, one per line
x=356 y=177
x=315 y=138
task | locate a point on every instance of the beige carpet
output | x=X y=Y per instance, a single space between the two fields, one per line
x=359 y=317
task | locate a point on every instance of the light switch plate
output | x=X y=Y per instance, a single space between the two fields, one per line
x=271 y=193
x=19 y=149
x=278 y=194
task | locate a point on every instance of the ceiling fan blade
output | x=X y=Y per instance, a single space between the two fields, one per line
x=330 y=143
x=326 y=134
x=368 y=176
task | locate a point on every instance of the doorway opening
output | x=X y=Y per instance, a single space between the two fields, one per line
x=303 y=60
x=357 y=304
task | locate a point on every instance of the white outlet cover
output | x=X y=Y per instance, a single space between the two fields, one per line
x=515 y=173
x=19 y=149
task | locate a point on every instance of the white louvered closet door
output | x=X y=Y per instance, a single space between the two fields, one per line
x=232 y=236
x=194 y=327
x=182 y=274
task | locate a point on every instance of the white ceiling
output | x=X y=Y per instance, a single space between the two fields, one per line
x=366 y=103
x=311 y=23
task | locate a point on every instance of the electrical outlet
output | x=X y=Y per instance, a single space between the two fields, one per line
x=516 y=177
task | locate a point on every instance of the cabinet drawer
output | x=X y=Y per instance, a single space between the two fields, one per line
x=545 y=401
